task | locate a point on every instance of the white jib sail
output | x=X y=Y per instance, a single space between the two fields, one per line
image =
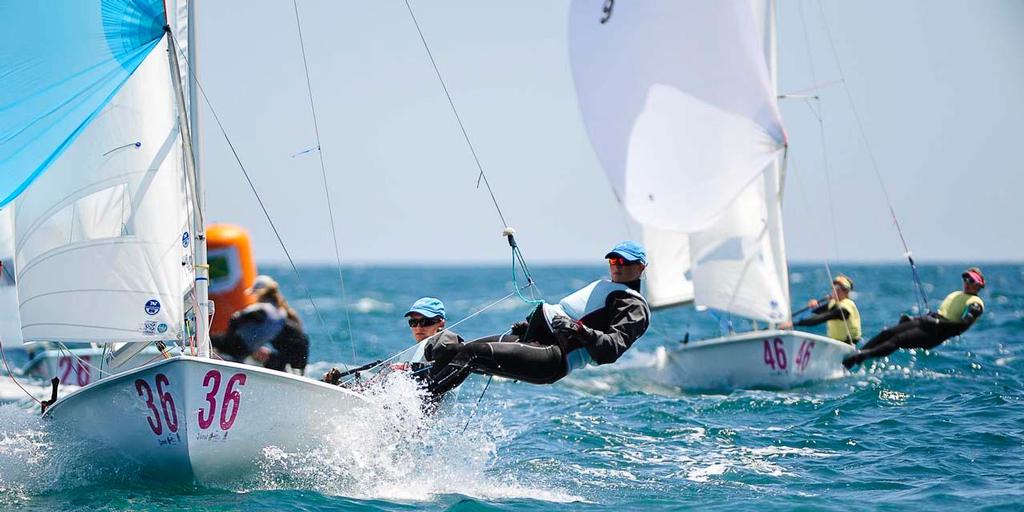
x=102 y=237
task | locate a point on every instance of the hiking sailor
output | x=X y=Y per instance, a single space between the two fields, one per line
x=840 y=314
x=426 y=320
x=957 y=313
x=268 y=331
x=594 y=325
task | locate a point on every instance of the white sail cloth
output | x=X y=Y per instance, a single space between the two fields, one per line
x=680 y=107
x=10 y=321
x=102 y=240
x=678 y=104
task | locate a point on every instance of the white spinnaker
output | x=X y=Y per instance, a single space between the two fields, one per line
x=10 y=321
x=678 y=103
x=101 y=236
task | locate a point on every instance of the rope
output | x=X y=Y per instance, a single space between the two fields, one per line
x=465 y=134
x=479 y=399
x=10 y=373
x=327 y=189
x=252 y=186
x=874 y=162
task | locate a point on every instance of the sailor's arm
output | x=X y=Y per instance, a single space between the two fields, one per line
x=629 y=321
x=820 y=317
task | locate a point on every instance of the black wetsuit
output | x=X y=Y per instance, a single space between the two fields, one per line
x=534 y=353
x=252 y=328
x=822 y=314
x=927 y=331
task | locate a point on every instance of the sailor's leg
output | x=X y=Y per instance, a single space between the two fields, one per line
x=510 y=358
x=906 y=335
x=887 y=334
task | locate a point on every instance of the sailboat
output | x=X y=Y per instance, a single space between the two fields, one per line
x=96 y=117
x=679 y=101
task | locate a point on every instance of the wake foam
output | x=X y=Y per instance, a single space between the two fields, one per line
x=391 y=449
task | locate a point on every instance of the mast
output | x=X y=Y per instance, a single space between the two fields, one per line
x=774 y=176
x=202 y=268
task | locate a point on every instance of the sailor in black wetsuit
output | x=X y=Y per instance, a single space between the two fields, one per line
x=269 y=331
x=426 y=320
x=957 y=313
x=839 y=314
x=594 y=325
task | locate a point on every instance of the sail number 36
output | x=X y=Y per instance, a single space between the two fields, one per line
x=162 y=413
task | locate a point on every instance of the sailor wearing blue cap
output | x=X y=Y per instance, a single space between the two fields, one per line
x=594 y=325
x=426 y=317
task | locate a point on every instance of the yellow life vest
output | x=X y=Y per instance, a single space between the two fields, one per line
x=847 y=329
x=955 y=305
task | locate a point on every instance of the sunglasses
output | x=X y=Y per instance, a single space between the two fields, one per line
x=424 y=322
x=622 y=262
x=969 y=279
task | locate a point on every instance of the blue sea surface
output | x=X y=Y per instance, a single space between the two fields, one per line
x=918 y=431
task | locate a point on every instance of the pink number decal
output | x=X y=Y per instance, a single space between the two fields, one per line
x=231 y=395
x=82 y=375
x=780 y=353
x=154 y=419
x=804 y=357
x=211 y=397
x=64 y=368
x=767 y=355
x=167 y=402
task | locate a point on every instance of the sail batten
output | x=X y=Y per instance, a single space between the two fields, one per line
x=102 y=237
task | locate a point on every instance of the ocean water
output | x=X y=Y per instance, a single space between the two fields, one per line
x=922 y=430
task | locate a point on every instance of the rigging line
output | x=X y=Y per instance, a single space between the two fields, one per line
x=871 y=158
x=327 y=189
x=458 y=118
x=259 y=199
x=10 y=373
x=450 y=327
x=821 y=128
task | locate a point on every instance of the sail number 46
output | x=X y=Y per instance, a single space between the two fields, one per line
x=162 y=412
x=774 y=354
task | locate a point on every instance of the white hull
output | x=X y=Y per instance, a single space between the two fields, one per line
x=761 y=359
x=199 y=420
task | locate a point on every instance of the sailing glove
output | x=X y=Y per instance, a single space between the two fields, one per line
x=519 y=329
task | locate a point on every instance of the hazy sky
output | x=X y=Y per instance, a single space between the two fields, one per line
x=938 y=85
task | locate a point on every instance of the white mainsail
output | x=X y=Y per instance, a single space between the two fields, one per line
x=102 y=236
x=680 y=106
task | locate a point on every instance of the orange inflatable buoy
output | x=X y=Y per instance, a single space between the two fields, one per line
x=232 y=272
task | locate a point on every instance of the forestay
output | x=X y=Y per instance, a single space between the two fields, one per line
x=102 y=242
x=679 y=103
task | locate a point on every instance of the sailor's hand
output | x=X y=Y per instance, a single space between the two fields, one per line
x=786 y=325
x=813 y=303
x=262 y=354
x=332 y=377
x=519 y=329
x=564 y=325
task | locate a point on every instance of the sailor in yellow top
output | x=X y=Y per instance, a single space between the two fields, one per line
x=840 y=314
x=957 y=313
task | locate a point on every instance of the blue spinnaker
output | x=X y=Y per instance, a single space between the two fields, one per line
x=61 y=61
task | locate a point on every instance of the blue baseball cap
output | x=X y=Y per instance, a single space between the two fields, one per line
x=428 y=307
x=629 y=250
